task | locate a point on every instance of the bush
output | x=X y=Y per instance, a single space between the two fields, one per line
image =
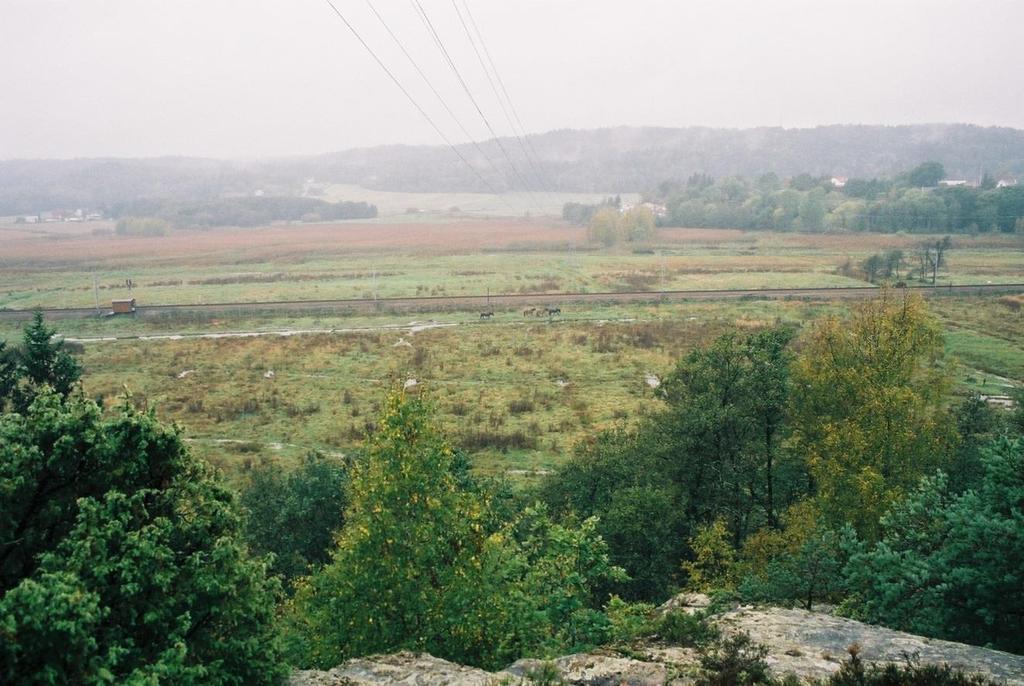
x=853 y=672
x=627 y=620
x=682 y=628
x=734 y=661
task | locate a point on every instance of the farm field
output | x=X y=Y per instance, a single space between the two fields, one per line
x=75 y=268
x=517 y=393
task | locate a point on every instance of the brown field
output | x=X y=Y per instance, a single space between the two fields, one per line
x=279 y=242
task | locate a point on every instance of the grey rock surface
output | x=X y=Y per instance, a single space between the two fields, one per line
x=592 y=669
x=812 y=645
x=409 y=669
x=808 y=645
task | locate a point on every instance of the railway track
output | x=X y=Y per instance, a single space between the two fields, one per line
x=471 y=302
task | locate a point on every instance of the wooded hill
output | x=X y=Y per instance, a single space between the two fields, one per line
x=622 y=159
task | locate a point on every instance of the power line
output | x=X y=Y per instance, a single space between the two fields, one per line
x=487 y=73
x=430 y=85
x=415 y=104
x=534 y=161
x=425 y=18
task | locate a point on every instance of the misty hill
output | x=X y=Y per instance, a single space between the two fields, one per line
x=623 y=159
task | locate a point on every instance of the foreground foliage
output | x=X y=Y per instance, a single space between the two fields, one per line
x=952 y=565
x=870 y=417
x=712 y=454
x=41 y=360
x=418 y=565
x=294 y=515
x=120 y=557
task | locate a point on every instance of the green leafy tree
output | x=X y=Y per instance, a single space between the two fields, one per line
x=295 y=514
x=727 y=407
x=714 y=451
x=417 y=567
x=893 y=262
x=121 y=558
x=622 y=478
x=927 y=174
x=872 y=266
x=952 y=566
x=870 y=417
x=604 y=226
x=812 y=210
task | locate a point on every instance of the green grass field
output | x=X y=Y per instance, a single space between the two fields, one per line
x=361 y=260
x=516 y=393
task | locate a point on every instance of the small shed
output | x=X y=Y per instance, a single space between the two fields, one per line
x=122 y=306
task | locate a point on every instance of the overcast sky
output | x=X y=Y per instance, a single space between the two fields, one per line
x=250 y=78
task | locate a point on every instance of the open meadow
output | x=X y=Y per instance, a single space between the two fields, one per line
x=54 y=266
x=517 y=393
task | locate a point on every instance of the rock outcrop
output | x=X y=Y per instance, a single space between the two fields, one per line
x=808 y=645
x=409 y=669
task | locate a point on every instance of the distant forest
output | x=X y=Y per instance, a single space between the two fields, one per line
x=248 y=211
x=911 y=202
x=614 y=160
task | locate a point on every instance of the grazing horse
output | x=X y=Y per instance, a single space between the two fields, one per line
x=530 y=311
x=487 y=315
x=552 y=311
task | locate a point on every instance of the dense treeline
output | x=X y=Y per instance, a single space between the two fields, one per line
x=910 y=202
x=241 y=211
x=793 y=467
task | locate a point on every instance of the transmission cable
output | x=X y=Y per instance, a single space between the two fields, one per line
x=501 y=101
x=425 y=18
x=501 y=83
x=430 y=85
x=415 y=104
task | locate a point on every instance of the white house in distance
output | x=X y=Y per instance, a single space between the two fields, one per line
x=656 y=209
x=839 y=181
x=1006 y=183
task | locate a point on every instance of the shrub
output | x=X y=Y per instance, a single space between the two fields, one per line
x=853 y=672
x=627 y=620
x=682 y=628
x=734 y=661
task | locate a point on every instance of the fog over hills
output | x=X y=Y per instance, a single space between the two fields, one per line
x=621 y=159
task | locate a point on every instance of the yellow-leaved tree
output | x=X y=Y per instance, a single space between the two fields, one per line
x=868 y=410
